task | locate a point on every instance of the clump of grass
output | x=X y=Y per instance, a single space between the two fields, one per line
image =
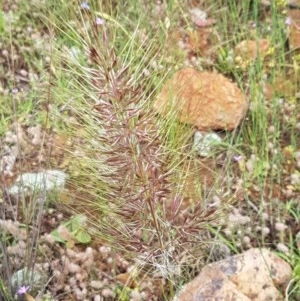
x=267 y=137
x=132 y=158
x=129 y=170
x=21 y=217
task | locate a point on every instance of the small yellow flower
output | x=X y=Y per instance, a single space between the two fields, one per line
x=280 y=5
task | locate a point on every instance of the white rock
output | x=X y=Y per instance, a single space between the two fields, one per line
x=106 y=293
x=295 y=179
x=280 y=227
x=135 y=296
x=197 y=14
x=96 y=284
x=28 y=183
x=205 y=142
x=37 y=277
x=282 y=248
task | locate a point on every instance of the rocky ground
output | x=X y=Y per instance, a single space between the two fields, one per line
x=241 y=165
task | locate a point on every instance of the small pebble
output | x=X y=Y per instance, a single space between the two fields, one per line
x=96 y=284
x=288 y=193
x=280 y=227
x=295 y=179
x=23 y=72
x=72 y=281
x=50 y=239
x=51 y=211
x=104 y=250
x=237 y=219
x=56 y=273
x=246 y=240
x=47 y=59
x=249 y=166
x=144 y=295
x=135 y=296
x=270 y=146
x=110 y=260
x=22 y=244
x=79 y=276
x=227 y=232
x=282 y=248
x=265 y=231
x=272 y=129
x=215 y=201
x=80 y=294
x=106 y=293
x=71 y=253
x=248 y=230
x=46 y=266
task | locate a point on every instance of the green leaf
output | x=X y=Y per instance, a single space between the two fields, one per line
x=82 y=237
x=1 y=22
x=75 y=226
x=57 y=237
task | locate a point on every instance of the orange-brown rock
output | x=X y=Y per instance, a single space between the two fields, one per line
x=294 y=29
x=250 y=50
x=206 y=100
x=255 y=275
